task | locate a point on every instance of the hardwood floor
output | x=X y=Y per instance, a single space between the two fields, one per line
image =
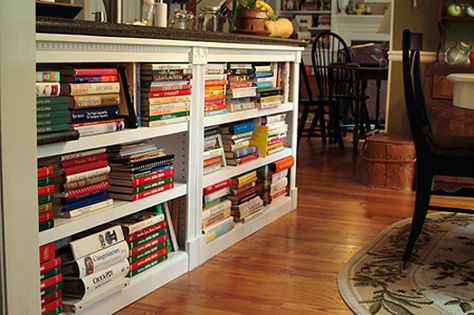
x=290 y=266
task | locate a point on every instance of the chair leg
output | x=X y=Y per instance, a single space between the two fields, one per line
x=304 y=117
x=322 y=121
x=423 y=191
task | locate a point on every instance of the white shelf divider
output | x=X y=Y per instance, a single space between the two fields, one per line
x=241 y=230
x=67 y=227
x=246 y=114
x=108 y=139
x=231 y=171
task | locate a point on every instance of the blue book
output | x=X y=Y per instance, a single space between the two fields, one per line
x=216 y=112
x=241 y=152
x=264 y=74
x=68 y=201
x=89 y=201
x=94 y=114
x=240 y=127
x=264 y=85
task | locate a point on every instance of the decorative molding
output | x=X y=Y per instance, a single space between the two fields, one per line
x=425 y=56
x=198 y=55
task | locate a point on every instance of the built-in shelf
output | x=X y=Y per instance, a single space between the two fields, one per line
x=246 y=114
x=231 y=171
x=66 y=227
x=108 y=139
x=296 y=12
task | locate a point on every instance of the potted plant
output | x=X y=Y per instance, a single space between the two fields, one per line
x=247 y=18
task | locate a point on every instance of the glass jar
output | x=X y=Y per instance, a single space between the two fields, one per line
x=183 y=20
x=210 y=20
x=458 y=53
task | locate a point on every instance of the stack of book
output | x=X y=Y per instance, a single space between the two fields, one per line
x=236 y=139
x=82 y=183
x=147 y=234
x=274 y=178
x=139 y=170
x=266 y=82
x=270 y=136
x=241 y=92
x=94 y=265
x=245 y=197
x=213 y=155
x=95 y=96
x=165 y=93
x=53 y=116
x=215 y=89
x=50 y=281
x=45 y=197
x=216 y=212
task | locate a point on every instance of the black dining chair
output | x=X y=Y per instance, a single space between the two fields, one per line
x=436 y=153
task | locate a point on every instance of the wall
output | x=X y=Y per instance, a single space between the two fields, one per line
x=423 y=19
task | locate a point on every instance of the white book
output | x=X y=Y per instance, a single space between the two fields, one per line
x=278 y=185
x=217 y=225
x=97 y=261
x=172 y=233
x=215 y=77
x=165 y=122
x=272 y=151
x=166 y=66
x=253 y=215
x=221 y=206
x=168 y=83
x=96 y=241
x=277 y=176
x=241 y=66
x=98 y=129
x=244 y=92
x=216 y=194
x=106 y=204
x=82 y=288
x=82 y=154
x=131 y=226
x=92 y=173
x=147 y=102
x=212 y=168
x=212 y=153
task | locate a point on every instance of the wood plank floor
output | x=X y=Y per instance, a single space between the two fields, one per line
x=290 y=266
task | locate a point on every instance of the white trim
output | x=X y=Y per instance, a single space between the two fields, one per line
x=425 y=56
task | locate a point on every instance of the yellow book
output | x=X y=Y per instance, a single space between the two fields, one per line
x=166 y=100
x=251 y=180
x=260 y=140
x=168 y=111
x=164 y=122
x=245 y=177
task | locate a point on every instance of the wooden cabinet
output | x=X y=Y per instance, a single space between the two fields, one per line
x=438 y=95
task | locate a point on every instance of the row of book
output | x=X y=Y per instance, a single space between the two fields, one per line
x=46 y=190
x=98 y=262
x=243 y=198
x=76 y=102
x=215 y=89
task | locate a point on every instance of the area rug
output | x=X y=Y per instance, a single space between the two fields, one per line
x=438 y=280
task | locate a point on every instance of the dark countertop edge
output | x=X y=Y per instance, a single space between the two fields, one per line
x=77 y=27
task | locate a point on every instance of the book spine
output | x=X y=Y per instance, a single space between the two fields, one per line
x=218 y=217
x=160 y=182
x=245 y=177
x=98 y=100
x=215 y=82
x=83 y=160
x=51 y=297
x=216 y=195
x=85 y=182
x=214 y=160
x=102 y=259
x=74 y=89
x=166 y=116
x=71 y=170
x=154 y=191
x=88 y=174
x=52 y=305
x=47 y=198
x=153 y=177
x=147 y=238
x=243 y=160
x=84 y=72
x=45 y=171
x=146 y=231
x=48 y=76
x=46 y=225
x=206 y=213
x=82 y=154
x=142 y=262
x=103 y=127
x=224 y=227
x=138 y=226
x=165 y=122
x=50 y=289
x=242 y=127
x=45 y=181
x=45 y=190
x=96 y=241
x=50 y=264
x=146 y=246
x=48 y=89
x=50 y=273
x=166 y=111
x=45 y=216
x=242 y=152
x=282 y=164
x=170 y=77
x=216 y=112
x=86 y=190
x=93 y=114
x=166 y=100
x=212 y=153
x=165 y=66
x=164 y=88
x=147 y=266
x=148 y=251
x=95 y=79
x=220 y=185
x=169 y=93
x=86 y=209
x=45 y=207
x=51 y=281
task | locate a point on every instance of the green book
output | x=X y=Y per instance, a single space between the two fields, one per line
x=147 y=238
x=50 y=100
x=45 y=198
x=155 y=262
x=55 y=311
x=51 y=128
x=167 y=116
x=46 y=225
x=151 y=185
x=149 y=251
x=53 y=121
x=53 y=115
x=51 y=289
x=45 y=181
x=49 y=273
x=52 y=108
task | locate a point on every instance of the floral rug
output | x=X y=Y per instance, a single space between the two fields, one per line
x=438 y=280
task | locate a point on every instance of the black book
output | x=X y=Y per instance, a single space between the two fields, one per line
x=59 y=136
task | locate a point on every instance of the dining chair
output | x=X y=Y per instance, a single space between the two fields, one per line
x=436 y=152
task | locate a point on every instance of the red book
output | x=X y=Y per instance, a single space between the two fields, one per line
x=282 y=164
x=45 y=190
x=147 y=245
x=151 y=192
x=51 y=305
x=215 y=82
x=45 y=216
x=146 y=231
x=225 y=183
x=45 y=171
x=51 y=297
x=84 y=167
x=85 y=72
x=87 y=190
x=240 y=85
x=214 y=102
x=95 y=78
x=50 y=264
x=153 y=177
x=276 y=140
x=84 y=160
x=148 y=259
x=248 y=158
x=213 y=160
x=169 y=93
x=51 y=281
x=214 y=107
x=154 y=89
x=47 y=252
x=98 y=122
x=215 y=97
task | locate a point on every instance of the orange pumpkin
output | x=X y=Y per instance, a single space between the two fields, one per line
x=281 y=27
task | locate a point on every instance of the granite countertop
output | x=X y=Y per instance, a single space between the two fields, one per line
x=77 y=27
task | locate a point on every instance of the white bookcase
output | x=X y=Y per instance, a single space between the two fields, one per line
x=185 y=140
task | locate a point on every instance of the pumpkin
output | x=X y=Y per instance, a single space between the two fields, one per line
x=281 y=27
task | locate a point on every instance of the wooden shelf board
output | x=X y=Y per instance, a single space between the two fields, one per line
x=108 y=139
x=67 y=227
x=296 y=12
x=246 y=114
x=231 y=171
